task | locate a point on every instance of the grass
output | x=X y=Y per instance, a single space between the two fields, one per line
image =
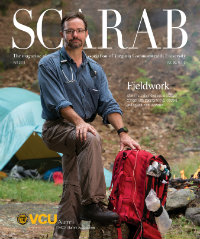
x=182 y=228
x=190 y=165
x=30 y=191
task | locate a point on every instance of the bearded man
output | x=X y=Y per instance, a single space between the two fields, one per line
x=74 y=89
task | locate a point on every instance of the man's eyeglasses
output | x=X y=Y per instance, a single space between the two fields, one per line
x=71 y=31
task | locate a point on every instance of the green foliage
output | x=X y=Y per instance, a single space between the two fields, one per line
x=195 y=85
x=188 y=59
x=186 y=109
x=159 y=109
x=175 y=2
x=195 y=34
x=143 y=79
x=165 y=107
x=142 y=71
x=198 y=52
x=30 y=190
x=193 y=64
x=109 y=37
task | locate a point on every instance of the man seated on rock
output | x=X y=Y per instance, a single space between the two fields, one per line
x=73 y=90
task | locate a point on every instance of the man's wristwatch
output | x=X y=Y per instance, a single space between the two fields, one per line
x=124 y=129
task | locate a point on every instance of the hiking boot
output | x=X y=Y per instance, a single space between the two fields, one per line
x=99 y=213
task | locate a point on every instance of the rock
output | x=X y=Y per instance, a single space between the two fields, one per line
x=179 y=198
x=193 y=214
x=99 y=231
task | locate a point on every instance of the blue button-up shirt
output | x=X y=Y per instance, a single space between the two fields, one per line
x=85 y=89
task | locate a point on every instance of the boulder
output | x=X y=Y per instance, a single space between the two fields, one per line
x=179 y=198
x=193 y=213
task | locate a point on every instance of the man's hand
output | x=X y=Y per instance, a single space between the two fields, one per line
x=82 y=128
x=126 y=140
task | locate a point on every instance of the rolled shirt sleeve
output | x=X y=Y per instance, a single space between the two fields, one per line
x=107 y=104
x=52 y=91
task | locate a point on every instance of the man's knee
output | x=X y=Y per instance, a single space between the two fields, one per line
x=93 y=139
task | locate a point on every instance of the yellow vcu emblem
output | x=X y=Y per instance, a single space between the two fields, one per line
x=22 y=219
x=43 y=218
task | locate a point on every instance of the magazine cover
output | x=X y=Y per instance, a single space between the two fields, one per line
x=147 y=53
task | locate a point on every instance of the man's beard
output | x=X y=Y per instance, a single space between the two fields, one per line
x=74 y=45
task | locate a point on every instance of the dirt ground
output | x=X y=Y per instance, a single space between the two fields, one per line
x=10 y=228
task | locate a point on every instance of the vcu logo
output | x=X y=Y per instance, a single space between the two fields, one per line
x=41 y=218
x=22 y=219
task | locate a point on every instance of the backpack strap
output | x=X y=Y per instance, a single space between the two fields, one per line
x=164 y=161
x=139 y=232
x=149 y=183
x=164 y=193
x=119 y=229
x=119 y=232
x=115 y=167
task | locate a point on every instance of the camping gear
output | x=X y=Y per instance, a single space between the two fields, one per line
x=161 y=216
x=48 y=175
x=158 y=169
x=58 y=178
x=131 y=185
x=3 y=175
x=18 y=172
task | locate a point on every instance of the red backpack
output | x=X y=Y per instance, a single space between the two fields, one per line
x=131 y=185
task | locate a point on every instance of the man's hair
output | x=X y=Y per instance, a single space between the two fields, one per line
x=72 y=16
